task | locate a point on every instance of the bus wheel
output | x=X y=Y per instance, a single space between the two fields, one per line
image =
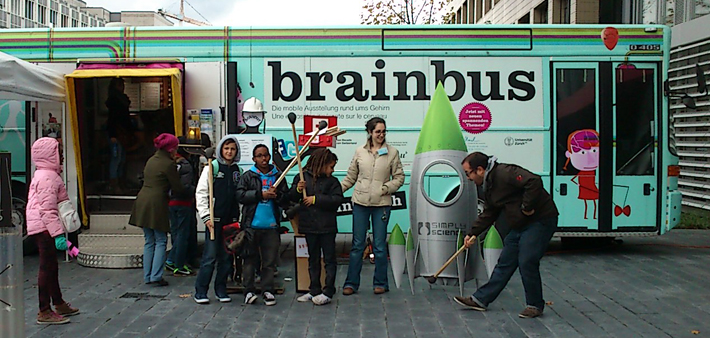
x=19 y=220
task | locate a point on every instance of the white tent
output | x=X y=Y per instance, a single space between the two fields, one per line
x=24 y=81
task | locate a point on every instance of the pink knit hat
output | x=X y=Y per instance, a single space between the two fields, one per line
x=165 y=141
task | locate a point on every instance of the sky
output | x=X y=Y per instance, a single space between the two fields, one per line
x=251 y=12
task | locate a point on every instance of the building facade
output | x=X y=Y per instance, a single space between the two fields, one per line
x=559 y=11
x=690 y=46
x=69 y=13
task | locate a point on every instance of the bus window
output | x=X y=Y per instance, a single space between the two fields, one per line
x=635 y=107
x=576 y=109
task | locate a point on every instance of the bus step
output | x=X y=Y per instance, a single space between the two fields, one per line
x=111 y=251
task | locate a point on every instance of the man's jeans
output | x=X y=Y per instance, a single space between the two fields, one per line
x=361 y=222
x=154 y=254
x=213 y=255
x=523 y=248
x=117 y=160
x=180 y=225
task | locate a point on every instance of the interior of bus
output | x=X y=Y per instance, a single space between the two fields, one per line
x=117 y=118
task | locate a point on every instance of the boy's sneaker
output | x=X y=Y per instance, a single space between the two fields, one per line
x=305 y=298
x=249 y=298
x=469 y=303
x=321 y=299
x=170 y=266
x=201 y=299
x=224 y=298
x=50 y=317
x=181 y=272
x=269 y=299
x=66 y=310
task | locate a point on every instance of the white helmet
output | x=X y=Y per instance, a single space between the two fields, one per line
x=253 y=105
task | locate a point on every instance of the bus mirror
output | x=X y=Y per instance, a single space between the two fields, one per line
x=700 y=76
x=688 y=101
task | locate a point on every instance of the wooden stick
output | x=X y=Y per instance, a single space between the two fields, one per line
x=292 y=119
x=210 y=187
x=283 y=175
x=461 y=249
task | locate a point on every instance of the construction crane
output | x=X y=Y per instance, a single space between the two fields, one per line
x=181 y=17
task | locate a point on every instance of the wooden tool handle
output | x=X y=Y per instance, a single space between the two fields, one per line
x=283 y=174
x=298 y=157
x=210 y=187
x=461 y=249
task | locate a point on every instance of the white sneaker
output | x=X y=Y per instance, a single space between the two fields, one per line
x=321 y=299
x=269 y=299
x=201 y=300
x=305 y=298
x=224 y=299
x=249 y=298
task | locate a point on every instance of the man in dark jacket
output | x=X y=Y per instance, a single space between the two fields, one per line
x=261 y=215
x=532 y=217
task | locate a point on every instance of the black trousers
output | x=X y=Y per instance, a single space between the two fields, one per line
x=265 y=245
x=326 y=244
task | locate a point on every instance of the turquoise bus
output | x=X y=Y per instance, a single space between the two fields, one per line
x=583 y=106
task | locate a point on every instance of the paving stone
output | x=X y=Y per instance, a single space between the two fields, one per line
x=646 y=287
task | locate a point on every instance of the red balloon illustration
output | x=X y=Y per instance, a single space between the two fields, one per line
x=610 y=36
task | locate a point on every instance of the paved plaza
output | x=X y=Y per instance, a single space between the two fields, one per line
x=645 y=287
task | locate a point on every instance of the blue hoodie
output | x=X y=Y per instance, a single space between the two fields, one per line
x=264 y=216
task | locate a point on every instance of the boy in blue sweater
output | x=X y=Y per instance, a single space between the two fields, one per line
x=261 y=215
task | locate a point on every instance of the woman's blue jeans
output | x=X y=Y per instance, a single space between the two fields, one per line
x=154 y=254
x=362 y=216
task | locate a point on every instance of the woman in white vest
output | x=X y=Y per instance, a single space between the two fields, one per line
x=376 y=173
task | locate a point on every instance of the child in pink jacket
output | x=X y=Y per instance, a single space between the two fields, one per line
x=43 y=224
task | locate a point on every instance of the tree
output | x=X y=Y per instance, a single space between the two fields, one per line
x=405 y=12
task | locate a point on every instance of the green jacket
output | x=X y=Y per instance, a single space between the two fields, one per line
x=150 y=209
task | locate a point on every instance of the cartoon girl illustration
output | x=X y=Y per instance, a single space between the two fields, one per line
x=583 y=153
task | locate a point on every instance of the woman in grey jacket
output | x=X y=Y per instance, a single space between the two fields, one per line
x=376 y=173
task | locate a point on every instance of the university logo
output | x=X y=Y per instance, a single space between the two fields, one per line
x=509 y=141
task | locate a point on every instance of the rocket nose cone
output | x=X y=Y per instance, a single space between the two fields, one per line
x=397 y=236
x=440 y=130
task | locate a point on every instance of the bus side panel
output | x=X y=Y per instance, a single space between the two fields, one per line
x=13 y=136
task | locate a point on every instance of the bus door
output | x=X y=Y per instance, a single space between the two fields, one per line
x=575 y=104
x=634 y=156
x=604 y=129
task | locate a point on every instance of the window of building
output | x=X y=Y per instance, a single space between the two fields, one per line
x=525 y=19
x=563 y=12
x=541 y=13
x=74 y=23
x=610 y=11
x=53 y=17
x=42 y=14
x=702 y=7
x=65 y=21
x=29 y=9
